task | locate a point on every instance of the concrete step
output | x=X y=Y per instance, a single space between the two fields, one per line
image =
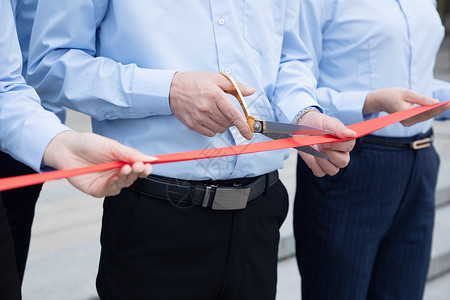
x=440 y=254
x=288 y=286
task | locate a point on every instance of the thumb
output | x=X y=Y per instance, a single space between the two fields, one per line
x=245 y=89
x=226 y=84
x=339 y=129
x=129 y=155
x=421 y=100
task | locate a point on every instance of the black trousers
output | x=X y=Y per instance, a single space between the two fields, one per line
x=9 y=280
x=20 y=204
x=152 y=249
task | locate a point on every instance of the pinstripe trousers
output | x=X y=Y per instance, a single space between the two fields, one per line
x=366 y=232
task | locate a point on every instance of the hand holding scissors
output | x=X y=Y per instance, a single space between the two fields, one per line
x=323 y=159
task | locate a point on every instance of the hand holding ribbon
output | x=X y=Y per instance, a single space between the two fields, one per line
x=361 y=129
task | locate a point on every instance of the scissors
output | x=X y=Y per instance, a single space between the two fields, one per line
x=277 y=130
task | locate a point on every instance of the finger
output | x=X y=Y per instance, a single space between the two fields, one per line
x=420 y=99
x=128 y=154
x=346 y=146
x=330 y=166
x=328 y=123
x=425 y=116
x=234 y=116
x=112 y=186
x=147 y=171
x=215 y=126
x=245 y=89
x=341 y=131
x=129 y=180
x=127 y=176
x=311 y=162
x=242 y=126
x=226 y=85
x=137 y=168
x=337 y=158
x=204 y=131
x=124 y=171
x=221 y=119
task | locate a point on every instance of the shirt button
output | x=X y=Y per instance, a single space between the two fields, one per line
x=228 y=70
x=221 y=21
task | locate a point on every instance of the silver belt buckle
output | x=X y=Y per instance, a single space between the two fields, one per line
x=227 y=198
x=421 y=144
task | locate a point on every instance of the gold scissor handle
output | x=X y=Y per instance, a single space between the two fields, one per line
x=250 y=120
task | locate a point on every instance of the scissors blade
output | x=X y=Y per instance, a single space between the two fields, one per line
x=310 y=150
x=294 y=129
x=307 y=149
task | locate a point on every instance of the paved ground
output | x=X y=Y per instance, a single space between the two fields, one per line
x=65 y=249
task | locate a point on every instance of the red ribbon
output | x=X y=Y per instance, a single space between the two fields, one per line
x=361 y=129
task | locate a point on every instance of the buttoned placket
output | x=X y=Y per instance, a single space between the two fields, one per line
x=225 y=45
x=406 y=14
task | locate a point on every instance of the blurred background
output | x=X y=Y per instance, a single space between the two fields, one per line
x=65 y=244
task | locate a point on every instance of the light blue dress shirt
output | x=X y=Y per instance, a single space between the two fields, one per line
x=358 y=46
x=114 y=60
x=24 y=11
x=25 y=127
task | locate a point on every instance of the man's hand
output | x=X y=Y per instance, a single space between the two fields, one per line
x=338 y=153
x=198 y=100
x=74 y=150
x=392 y=100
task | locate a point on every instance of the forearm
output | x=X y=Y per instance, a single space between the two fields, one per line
x=295 y=85
x=346 y=106
x=66 y=69
x=27 y=128
x=441 y=91
x=101 y=87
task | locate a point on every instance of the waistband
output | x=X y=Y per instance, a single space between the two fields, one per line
x=219 y=195
x=417 y=142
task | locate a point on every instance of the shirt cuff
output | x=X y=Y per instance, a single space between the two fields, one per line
x=36 y=140
x=349 y=107
x=151 y=90
x=293 y=109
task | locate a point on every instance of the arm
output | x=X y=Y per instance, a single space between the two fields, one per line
x=441 y=91
x=20 y=112
x=296 y=89
x=315 y=17
x=295 y=86
x=67 y=71
x=34 y=136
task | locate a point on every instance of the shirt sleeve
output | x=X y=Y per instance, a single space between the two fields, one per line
x=65 y=69
x=347 y=106
x=25 y=127
x=295 y=86
x=441 y=91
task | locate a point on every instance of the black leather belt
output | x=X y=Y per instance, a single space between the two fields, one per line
x=417 y=142
x=219 y=195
